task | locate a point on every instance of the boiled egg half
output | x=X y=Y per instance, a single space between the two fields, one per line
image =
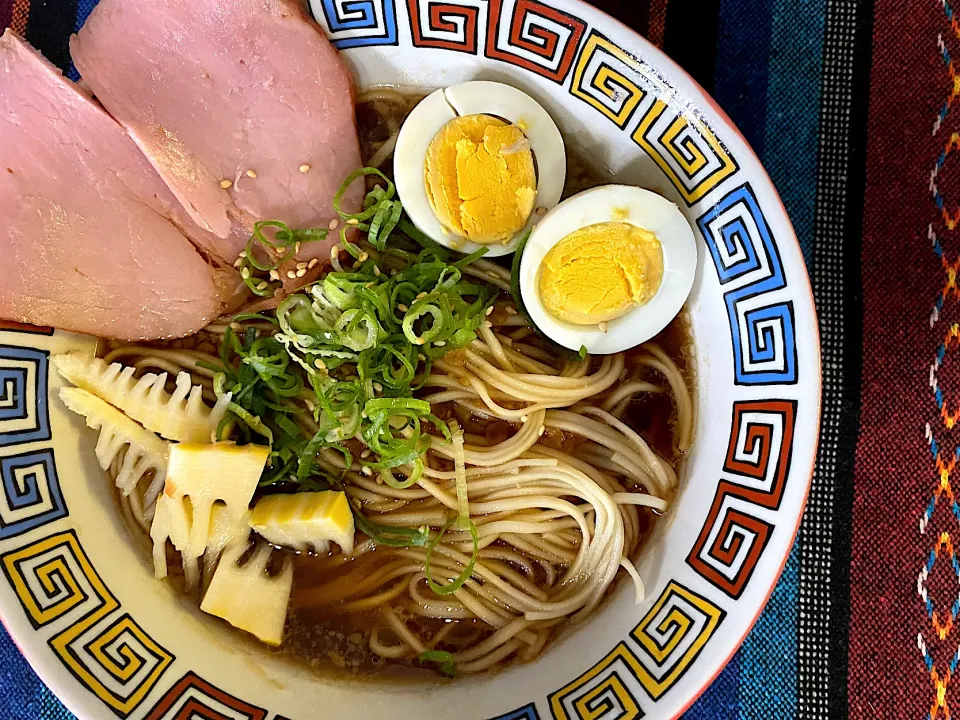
x=608 y=269
x=477 y=164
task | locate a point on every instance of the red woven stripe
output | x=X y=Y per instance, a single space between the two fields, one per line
x=19 y=16
x=895 y=474
x=6 y=13
x=657 y=21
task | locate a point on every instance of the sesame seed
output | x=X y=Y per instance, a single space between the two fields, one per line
x=301 y=265
x=278 y=292
x=603 y=327
x=296 y=247
x=440 y=343
x=245 y=273
x=334 y=224
x=524 y=418
x=370 y=285
x=421 y=296
x=511 y=310
x=421 y=357
x=312 y=264
x=274 y=275
x=320 y=364
x=226 y=184
x=393 y=272
x=304 y=168
x=238 y=263
x=334 y=253
x=366 y=470
x=541 y=211
x=365 y=454
x=378 y=387
x=291 y=274
x=262 y=286
x=489 y=311
x=364 y=256
x=353 y=221
x=376 y=271
x=242 y=254
x=402 y=308
x=252 y=174
x=420 y=341
x=301 y=273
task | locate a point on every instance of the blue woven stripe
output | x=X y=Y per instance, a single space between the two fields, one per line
x=719 y=701
x=743 y=54
x=775 y=100
x=793 y=122
x=768 y=666
x=24 y=697
x=84 y=8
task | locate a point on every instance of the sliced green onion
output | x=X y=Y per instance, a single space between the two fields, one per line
x=443 y=658
x=351 y=178
x=390 y=536
x=452 y=587
x=471 y=258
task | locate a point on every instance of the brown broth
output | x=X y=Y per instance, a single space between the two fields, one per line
x=337 y=643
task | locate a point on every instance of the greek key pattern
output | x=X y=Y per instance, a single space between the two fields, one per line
x=611 y=81
x=748 y=265
x=527 y=712
x=534 y=36
x=756 y=469
x=24 y=416
x=685 y=149
x=109 y=653
x=668 y=641
x=31 y=494
x=359 y=23
x=448 y=24
x=193 y=698
x=671 y=636
x=103 y=648
x=609 y=690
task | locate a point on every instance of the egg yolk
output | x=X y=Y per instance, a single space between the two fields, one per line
x=600 y=272
x=480 y=178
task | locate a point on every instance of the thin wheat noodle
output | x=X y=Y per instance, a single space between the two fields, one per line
x=554 y=526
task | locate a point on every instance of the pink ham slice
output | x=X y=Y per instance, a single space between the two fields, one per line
x=221 y=90
x=90 y=241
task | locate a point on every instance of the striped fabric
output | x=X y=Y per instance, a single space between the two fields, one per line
x=795 y=76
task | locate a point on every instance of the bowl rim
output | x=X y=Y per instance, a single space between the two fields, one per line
x=73 y=696
x=802 y=284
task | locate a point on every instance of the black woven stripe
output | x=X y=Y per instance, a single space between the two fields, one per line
x=49 y=28
x=853 y=357
x=691 y=37
x=629 y=12
x=825 y=535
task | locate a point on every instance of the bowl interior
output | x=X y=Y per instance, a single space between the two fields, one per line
x=77 y=592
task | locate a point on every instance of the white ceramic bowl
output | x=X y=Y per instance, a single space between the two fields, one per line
x=77 y=594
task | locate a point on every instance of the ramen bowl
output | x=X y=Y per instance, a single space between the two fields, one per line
x=77 y=593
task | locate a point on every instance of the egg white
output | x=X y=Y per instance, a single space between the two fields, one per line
x=475 y=98
x=614 y=203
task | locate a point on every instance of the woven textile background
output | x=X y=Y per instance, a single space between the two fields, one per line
x=849 y=105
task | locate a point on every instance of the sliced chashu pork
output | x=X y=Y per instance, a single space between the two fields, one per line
x=241 y=92
x=90 y=241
